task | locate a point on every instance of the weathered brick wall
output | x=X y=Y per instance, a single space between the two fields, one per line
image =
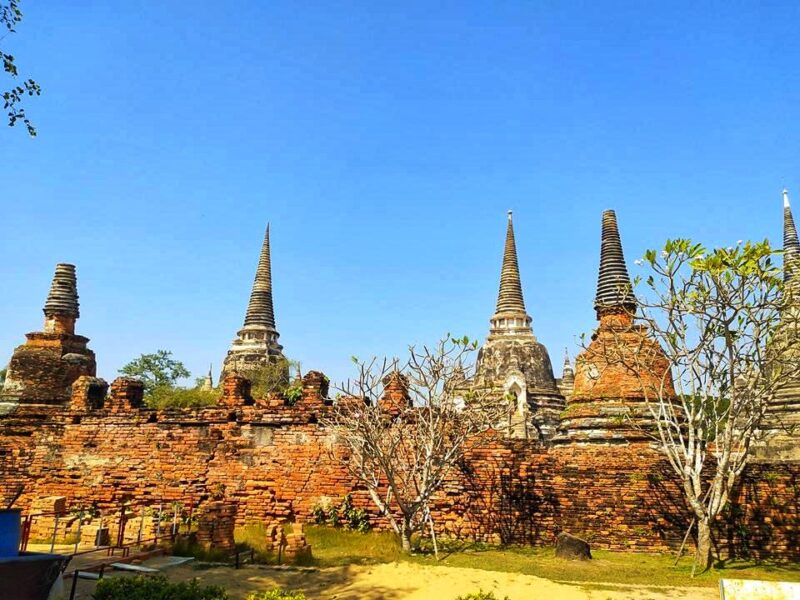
x=273 y=462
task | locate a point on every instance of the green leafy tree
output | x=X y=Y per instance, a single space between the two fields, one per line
x=717 y=315
x=10 y=16
x=158 y=371
x=3 y=372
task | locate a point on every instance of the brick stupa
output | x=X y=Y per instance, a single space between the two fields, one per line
x=607 y=404
x=43 y=369
x=782 y=417
x=513 y=366
x=256 y=343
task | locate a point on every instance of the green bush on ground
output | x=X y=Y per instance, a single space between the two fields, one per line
x=155 y=588
x=344 y=515
x=278 y=594
x=480 y=595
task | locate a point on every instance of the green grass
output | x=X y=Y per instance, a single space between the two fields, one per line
x=655 y=570
x=335 y=547
x=330 y=547
x=183 y=547
x=62 y=540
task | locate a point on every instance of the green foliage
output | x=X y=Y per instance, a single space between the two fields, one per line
x=340 y=547
x=167 y=397
x=157 y=371
x=10 y=16
x=720 y=317
x=344 y=515
x=253 y=536
x=713 y=311
x=278 y=594
x=272 y=378
x=480 y=595
x=294 y=392
x=155 y=588
x=3 y=373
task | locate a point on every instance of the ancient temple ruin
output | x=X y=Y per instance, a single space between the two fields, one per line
x=256 y=343
x=512 y=365
x=268 y=460
x=607 y=404
x=42 y=370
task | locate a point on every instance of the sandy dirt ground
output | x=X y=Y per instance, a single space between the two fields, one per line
x=395 y=581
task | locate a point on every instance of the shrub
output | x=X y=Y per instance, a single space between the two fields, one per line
x=343 y=515
x=480 y=595
x=293 y=393
x=169 y=397
x=272 y=378
x=278 y=594
x=155 y=588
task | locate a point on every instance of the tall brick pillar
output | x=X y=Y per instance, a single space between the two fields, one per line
x=43 y=369
x=395 y=393
x=236 y=391
x=125 y=394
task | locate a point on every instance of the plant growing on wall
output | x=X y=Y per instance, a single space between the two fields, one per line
x=294 y=392
x=158 y=371
x=730 y=339
x=402 y=452
x=272 y=378
x=178 y=397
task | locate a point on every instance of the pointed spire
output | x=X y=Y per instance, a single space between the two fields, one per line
x=567 y=363
x=791 y=246
x=208 y=382
x=614 y=289
x=260 y=310
x=63 y=297
x=567 y=372
x=509 y=299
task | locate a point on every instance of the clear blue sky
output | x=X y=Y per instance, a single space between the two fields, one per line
x=384 y=142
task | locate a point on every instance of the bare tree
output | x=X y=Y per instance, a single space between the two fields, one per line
x=717 y=318
x=402 y=429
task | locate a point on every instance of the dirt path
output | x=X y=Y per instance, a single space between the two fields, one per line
x=395 y=581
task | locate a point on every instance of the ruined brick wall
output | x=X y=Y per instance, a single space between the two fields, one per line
x=272 y=462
